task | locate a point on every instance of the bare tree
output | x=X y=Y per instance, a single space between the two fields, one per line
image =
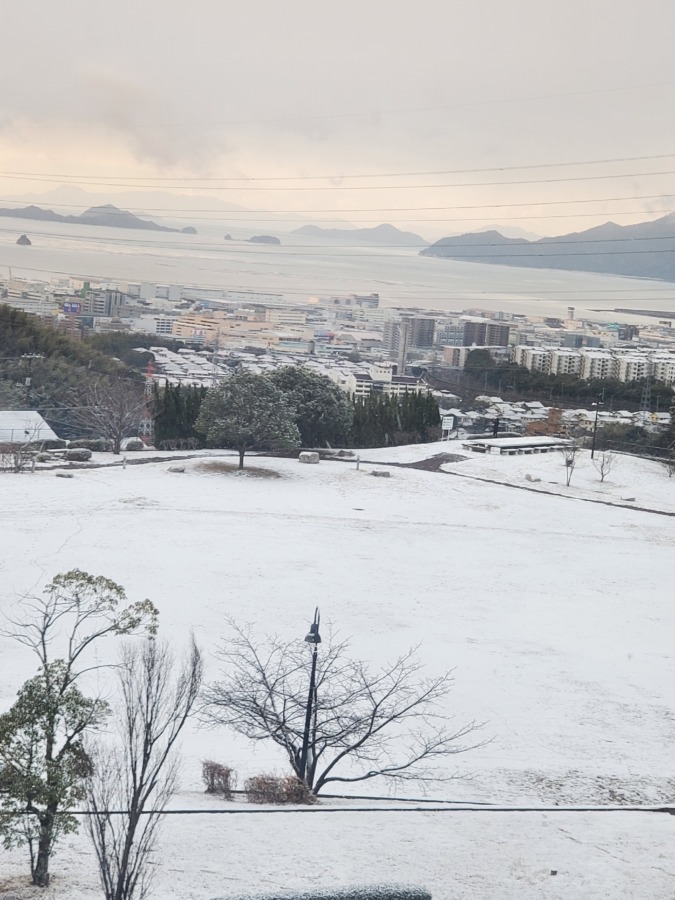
x=605 y=463
x=113 y=409
x=569 y=454
x=132 y=781
x=42 y=756
x=365 y=724
x=17 y=456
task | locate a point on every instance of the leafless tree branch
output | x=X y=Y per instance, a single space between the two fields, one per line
x=366 y=724
x=138 y=774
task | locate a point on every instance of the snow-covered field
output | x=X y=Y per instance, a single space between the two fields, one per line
x=556 y=612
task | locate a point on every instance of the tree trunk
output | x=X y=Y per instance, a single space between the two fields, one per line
x=41 y=869
x=241 y=459
x=117 y=445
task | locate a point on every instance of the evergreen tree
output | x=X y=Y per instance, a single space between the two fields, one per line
x=323 y=412
x=382 y=419
x=248 y=412
x=42 y=757
x=175 y=411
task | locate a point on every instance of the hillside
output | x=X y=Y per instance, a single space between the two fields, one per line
x=645 y=250
x=61 y=368
x=387 y=235
x=107 y=216
x=535 y=593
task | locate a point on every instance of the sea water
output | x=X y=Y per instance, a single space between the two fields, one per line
x=302 y=268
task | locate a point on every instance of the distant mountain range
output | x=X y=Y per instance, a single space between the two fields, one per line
x=646 y=250
x=386 y=235
x=107 y=215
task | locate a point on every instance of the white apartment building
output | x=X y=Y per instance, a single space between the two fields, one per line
x=380 y=379
x=536 y=359
x=596 y=365
x=664 y=370
x=622 y=363
x=632 y=368
x=564 y=362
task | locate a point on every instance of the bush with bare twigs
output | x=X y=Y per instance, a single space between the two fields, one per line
x=16 y=457
x=605 y=463
x=277 y=790
x=218 y=779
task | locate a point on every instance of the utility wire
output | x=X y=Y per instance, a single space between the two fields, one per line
x=318 y=810
x=309 y=252
x=300 y=217
x=224 y=213
x=247 y=178
x=393 y=187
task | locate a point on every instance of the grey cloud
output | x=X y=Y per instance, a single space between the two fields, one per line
x=153 y=128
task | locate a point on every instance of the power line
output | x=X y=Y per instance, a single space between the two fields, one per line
x=366 y=251
x=300 y=217
x=318 y=810
x=247 y=178
x=224 y=213
x=393 y=187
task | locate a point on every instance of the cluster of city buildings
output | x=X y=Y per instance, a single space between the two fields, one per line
x=385 y=342
x=204 y=368
x=620 y=363
x=535 y=418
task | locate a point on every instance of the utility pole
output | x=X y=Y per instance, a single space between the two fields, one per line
x=29 y=357
x=599 y=402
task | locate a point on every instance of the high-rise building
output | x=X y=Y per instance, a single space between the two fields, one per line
x=422 y=331
x=403 y=345
x=486 y=334
x=103 y=303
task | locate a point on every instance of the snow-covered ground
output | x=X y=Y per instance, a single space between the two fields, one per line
x=557 y=614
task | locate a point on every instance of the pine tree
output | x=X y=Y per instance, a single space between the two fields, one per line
x=248 y=412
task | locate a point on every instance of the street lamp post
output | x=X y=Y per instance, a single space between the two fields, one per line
x=314 y=638
x=597 y=406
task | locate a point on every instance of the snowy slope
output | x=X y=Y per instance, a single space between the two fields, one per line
x=556 y=613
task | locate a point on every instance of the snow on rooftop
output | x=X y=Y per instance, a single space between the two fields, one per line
x=20 y=426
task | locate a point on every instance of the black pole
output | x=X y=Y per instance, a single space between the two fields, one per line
x=313 y=638
x=595 y=428
x=308 y=716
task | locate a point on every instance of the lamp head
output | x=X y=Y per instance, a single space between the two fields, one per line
x=313 y=637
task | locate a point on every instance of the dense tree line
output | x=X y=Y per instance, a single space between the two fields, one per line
x=125 y=347
x=22 y=334
x=175 y=411
x=381 y=420
x=323 y=412
x=293 y=407
x=62 y=371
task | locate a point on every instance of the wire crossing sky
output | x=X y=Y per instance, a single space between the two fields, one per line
x=281 y=106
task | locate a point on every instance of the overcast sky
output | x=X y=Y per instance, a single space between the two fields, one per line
x=209 y=89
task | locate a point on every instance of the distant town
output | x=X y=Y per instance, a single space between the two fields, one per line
x=354 y=327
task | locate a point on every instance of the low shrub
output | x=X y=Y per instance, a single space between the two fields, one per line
x=277 y=790
x=56 y=444
x=179 y=444
x=133 y=444
x=218 y=779
x=360 y=892
x=78 y=455
x=96 y=445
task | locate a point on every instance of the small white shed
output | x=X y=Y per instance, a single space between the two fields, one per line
x=22 y=426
